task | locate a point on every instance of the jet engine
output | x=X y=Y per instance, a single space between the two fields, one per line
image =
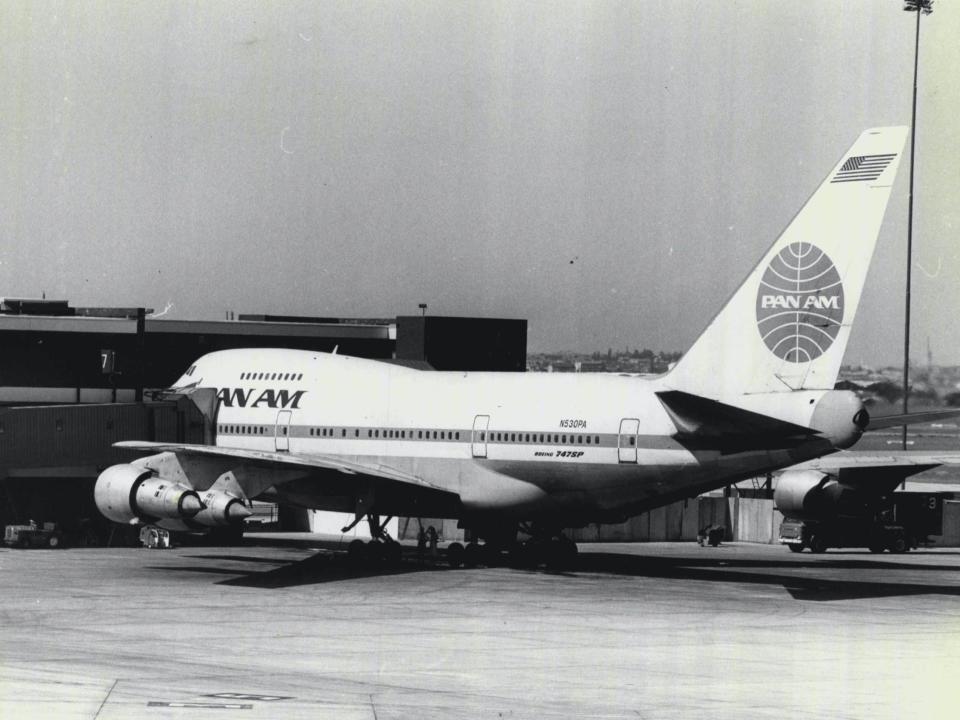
x=220 y=509
x=125 y=493
x=807 y=495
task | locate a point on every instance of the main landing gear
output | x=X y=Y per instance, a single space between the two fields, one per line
x=548 y=547
x=380 y=550
x=555 y=551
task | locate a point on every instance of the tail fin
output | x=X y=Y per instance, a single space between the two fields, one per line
x=786 y=327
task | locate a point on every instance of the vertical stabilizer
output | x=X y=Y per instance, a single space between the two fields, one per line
x=786 y=327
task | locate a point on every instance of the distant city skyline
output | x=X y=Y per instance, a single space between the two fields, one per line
x=609 y=171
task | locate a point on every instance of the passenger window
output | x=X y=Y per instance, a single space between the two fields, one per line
x=588 y=439
x=564 y=438
x=633 y=441
x=458 y=436
x=482 y=436
x=443 y=435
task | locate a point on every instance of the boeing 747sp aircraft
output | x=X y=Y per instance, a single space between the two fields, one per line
x=500 y=451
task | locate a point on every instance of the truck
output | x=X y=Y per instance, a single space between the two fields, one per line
x=32 y=535
x=876 y=535
x=898 y=523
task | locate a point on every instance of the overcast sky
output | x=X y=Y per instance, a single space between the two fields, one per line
x=608 y=170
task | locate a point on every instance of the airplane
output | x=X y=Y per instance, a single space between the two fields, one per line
x=540 y=452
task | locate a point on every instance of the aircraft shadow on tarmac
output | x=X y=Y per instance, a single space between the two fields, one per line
x=793 y=575
x=801 y=586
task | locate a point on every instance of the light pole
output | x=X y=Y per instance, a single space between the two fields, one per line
x=920 y=7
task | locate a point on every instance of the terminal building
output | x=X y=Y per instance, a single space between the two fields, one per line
x=73 y=381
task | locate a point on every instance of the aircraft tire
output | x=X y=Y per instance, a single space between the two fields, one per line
x=795 y=548
x=560 y=553
x=392 y=552
x=898 y=545
x=472 y=555
x=817 y=545
x=357 y=552
x=455 y=555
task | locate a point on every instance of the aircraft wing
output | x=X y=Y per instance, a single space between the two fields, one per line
x=878 y=471
x=283 y=460
x=851 y=459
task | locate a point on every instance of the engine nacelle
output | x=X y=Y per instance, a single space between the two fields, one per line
x=807 y=495
x=221 y=509
x=125 y=493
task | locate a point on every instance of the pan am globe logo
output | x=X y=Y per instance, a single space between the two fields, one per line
x=800 y=303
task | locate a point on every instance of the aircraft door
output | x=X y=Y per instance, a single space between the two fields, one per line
x=282 y=431
x=627 y=440
x=479 y=439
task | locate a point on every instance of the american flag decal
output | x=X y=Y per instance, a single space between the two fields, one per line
x=862 y=167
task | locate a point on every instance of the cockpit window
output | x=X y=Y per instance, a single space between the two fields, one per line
x=190 y=370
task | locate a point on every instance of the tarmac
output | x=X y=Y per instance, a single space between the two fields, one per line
x=654 y=630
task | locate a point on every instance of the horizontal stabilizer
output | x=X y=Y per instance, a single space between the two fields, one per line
x=917 y=418
x=706 y=423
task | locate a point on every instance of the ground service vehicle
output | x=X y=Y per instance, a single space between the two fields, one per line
x=846 y=532
x=26 y=536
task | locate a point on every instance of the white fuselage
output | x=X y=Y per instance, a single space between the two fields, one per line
x=577 y=447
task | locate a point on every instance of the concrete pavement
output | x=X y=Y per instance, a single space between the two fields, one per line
x=643 y=630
